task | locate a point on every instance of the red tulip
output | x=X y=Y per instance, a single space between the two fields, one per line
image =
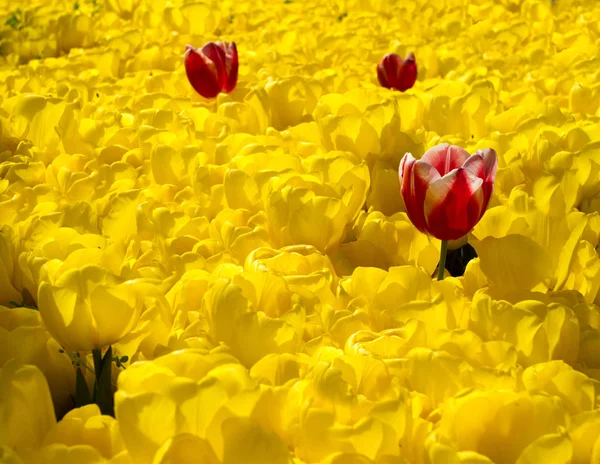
x=212 y=68
x=395 y=73
x=447 y=191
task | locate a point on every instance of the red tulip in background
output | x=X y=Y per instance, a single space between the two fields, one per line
x=447 y=191
x=213 y=68
x=395 y=73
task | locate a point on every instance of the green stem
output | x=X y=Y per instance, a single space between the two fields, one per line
x=442 y=266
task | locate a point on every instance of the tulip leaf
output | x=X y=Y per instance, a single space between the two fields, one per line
x=82 y=393
x=22 y=305
x=119 y=360
x=457 y=260
x=95 y=393
x=97 y=355
x=15 y=19
x=103 y=395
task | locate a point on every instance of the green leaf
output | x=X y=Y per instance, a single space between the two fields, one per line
x=82 y=393
x=22 y=305
x=14 y=19
x=104 y=393
x=95 y=393
x=97 y=356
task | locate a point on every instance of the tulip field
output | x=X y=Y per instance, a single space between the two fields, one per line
x=300 y=231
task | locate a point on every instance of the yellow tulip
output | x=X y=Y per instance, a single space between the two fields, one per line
x=7 y=268
x=250 y=334
x=300 y=215
x=505 y=425
x=8 y=456
x=523 y=248
x=85 y=426
x=539 y=332
x=88 y=308
x=397 y=239
x=575 y=389
x=185 y=449
x=23 y=338
x=585 y=435
x=26 y=412
x=195 y=400
x=552 y=447
x=74 y=31
x=57 y=453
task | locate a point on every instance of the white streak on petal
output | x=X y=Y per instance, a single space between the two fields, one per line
x=438 y=190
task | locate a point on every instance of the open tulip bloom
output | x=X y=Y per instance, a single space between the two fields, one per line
x=213 y=68
x=446 y=192
x=395 y=73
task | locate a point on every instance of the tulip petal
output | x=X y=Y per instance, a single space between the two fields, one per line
x=490 y=160
x=26 y=411
x=231 y=65
x=425 y=174
x=475 y=165
x=416 y=177
x=382 y=76
x=454 y=204
x=414 y=211
x=406 y=164
x=490 y=165
x=407 y=73
x=203 y=79
x=215 y=53
x=445 y=157
x=388 y=69
x=185 y=448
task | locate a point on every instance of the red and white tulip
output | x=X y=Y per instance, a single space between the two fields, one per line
x=447 y=191
x=213 y=68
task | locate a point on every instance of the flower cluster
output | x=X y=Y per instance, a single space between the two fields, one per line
x=229 y=219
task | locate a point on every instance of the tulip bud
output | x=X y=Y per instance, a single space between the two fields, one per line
x=213 y=68
x=447 y=191
x=395 y=73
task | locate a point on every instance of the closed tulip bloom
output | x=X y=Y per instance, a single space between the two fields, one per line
x=447 y=191
x=26 y=412
x=396 y=73
x=87 y=427
x=213 y=68
x=88 y=308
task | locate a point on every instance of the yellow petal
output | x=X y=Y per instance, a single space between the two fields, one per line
x=25 y=405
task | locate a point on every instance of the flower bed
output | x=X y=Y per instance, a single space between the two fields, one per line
x=248 y=257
